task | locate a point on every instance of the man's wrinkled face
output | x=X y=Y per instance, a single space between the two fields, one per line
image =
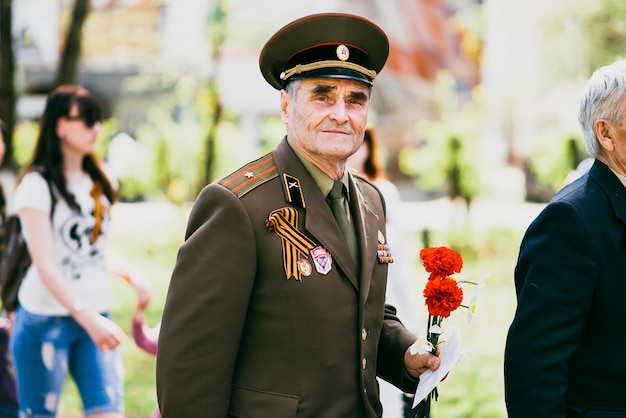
x=326 y=119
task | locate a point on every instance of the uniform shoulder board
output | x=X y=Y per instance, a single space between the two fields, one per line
x=250 y=175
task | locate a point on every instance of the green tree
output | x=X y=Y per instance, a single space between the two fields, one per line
x=66 y=74
x=217 y=33
x=68 y=68
x=448 y=162
x=606 y=31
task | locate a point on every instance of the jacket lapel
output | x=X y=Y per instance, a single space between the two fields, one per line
x=367 y=233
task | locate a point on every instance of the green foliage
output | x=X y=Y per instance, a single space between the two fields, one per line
x=606 y=32
x=592 y=34
x=169 y=159
x=216 y=24
x=24 y=140
x=450 y=157
x=27 y=131
x=170 y=140
x=550 y=171
x=272 y=132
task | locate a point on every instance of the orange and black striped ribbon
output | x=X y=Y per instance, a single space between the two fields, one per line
x=99 y=210
x=284 y=222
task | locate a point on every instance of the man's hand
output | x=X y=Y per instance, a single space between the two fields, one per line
x=417 y=363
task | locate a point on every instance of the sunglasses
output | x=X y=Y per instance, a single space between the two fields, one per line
x=89 y=120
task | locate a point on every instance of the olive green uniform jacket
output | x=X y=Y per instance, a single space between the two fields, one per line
x=240 y=339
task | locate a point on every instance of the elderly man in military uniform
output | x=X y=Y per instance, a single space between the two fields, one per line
x=276 y=306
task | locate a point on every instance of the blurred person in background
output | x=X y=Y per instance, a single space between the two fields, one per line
x=63 y=321
x=569 y=278
x=368 y=163
x=276 y=305
x=8 y=393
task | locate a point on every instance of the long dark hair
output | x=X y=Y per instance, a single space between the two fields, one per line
x=372 y=167
x=4 y=131
x=48 y=157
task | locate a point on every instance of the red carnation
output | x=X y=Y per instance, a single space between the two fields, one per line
x=442 y=296
x=441 y=262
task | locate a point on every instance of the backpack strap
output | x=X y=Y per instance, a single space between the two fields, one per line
x=52 y=197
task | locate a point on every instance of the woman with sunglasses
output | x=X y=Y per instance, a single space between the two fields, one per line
x=63 y=324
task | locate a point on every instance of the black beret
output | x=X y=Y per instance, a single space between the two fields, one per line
x=325 y=45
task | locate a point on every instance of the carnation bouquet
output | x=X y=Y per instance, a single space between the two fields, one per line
x=443 y=295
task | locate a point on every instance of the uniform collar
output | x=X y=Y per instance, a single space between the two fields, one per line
x=619 y=176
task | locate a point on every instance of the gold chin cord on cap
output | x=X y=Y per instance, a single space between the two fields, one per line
x=301 y=68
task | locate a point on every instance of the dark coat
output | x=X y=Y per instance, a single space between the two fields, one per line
x=240 y=339
x=564 y=354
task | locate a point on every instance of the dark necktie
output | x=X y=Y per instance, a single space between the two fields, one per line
x=335 y=200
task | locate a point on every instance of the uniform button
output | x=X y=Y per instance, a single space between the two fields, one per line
x=363 y=334
x=364 y=363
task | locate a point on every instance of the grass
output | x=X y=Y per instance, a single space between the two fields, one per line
x=149 y=235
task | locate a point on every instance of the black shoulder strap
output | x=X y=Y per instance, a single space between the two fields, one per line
x=52 y=196
x=42 y=173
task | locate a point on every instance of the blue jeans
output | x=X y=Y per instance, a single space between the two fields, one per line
x=45 y=348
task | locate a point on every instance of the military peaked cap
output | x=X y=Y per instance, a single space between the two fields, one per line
x=326 y=45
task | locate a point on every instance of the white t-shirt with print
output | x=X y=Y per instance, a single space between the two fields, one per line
x=81 y=261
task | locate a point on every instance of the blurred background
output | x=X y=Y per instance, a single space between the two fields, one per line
x=478 y=98
x=476 y=109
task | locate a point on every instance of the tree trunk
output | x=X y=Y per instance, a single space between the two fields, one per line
x=211 y=137
x=217 y=27
x=7 y=87
x=68 y=68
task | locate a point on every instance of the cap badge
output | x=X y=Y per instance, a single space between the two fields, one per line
x=343 y=53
